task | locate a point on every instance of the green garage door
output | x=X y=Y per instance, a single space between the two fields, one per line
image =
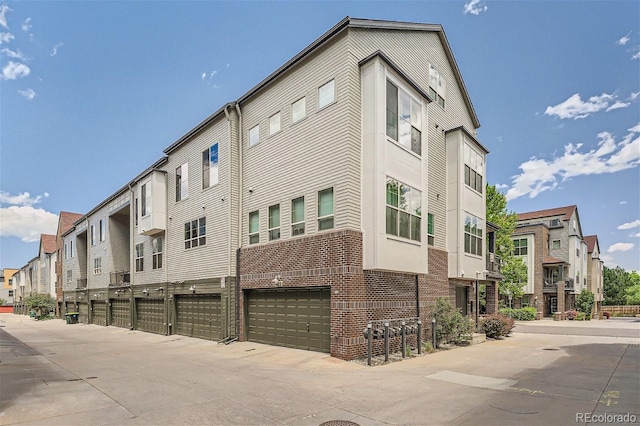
x=120 y=316
x=199 y=316
x=99 y=313
x=295 y=318
x=83 y=310
x=150 y=315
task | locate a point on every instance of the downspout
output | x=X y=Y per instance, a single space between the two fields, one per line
x=131 y=251
x=417 y=297
x=240 y=217
x=229 y=199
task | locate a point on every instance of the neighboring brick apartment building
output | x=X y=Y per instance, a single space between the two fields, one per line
x=557 y=255
x=346 y=187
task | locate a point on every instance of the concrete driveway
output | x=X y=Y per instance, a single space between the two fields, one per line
x=55 y=373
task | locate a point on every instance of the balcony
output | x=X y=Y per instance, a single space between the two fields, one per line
x=552 y=287
x=119 y=279
x=81 y=283
x=493 y=263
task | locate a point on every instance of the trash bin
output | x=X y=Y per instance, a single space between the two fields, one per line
x=32 y=314
x=71 y=317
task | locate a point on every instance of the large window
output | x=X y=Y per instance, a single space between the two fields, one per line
x=156 y=250
x=140 y=257
x=437 y=86
x=326 y=94
x=520 y=247
x=97 y=265
x=274 y=123
x=182 y=182
x=274 y=222
x=254 y=135
x=298 y=110
x=69 y=275
x=430 y=229
x=254 y=227
x=195 y=233
x=93 y=235
x=473 y=168
x=103 y=229
x=145 y=195
x=404 y=210
x=473 y=230
x=210 y=167
x=297 y=216
x=325 y=209
x=404 y=118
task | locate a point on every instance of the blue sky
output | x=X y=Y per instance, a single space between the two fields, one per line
x=92 y=92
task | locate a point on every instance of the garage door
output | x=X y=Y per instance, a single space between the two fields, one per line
x=70 y=307
x=295 y=318
x=120 y=316
x=99 y=313
x=83 y=309
x=150 y=315
x=199 y=316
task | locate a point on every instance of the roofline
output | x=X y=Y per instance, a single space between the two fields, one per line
x=472 y=137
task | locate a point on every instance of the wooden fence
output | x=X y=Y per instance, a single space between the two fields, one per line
x=624 y=311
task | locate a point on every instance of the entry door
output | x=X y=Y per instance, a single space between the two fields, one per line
x=461 y=299
x=553 y=305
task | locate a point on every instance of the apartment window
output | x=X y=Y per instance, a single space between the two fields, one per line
x=103 y=229
x=140 y=257
x=430 y=233
x=69 y=275
x=577 y=252
x=210 y=167
x=254 y=227
x=297 y=216
x=437 y=86
x=404 y=210
x=66 y=251
x=254 y=135
x=156 y=251
x=136 y=211
x=326 y=94
x=274 y=222
x=97 y=265
x=404 y=117
x=298 y=110
x=195 y=233
x=71 y=249
x=10 y=293
x=520 y=247
x=274 y=123
x=473 y=227
x=325 y=209
x=182 y=182
x=145 y=195
x=555 y=244
x=93 y=235
x=473 y=168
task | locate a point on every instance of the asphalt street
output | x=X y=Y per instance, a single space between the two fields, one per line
x=545 y=373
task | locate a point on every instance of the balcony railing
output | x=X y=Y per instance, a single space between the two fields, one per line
x=551 y=286
x=81 y=283
x=119 y=278
x=493 y=263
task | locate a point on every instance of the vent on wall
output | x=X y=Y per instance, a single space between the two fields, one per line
x=555 y=223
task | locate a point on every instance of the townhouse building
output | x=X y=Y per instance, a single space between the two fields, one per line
x=65 y=222
x=346 y=187
x=595 y=271
x=7 y=292
x=552 y=245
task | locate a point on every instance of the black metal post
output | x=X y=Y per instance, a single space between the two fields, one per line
x=386 y=342
x=419 y=337
x=433 y=332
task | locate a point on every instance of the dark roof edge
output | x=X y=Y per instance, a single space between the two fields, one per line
x=472 y=137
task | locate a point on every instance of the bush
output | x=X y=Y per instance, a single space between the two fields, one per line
x=523 y=314
x=451 y=325
x=581 y=316
x=572 y=314
x=585 y=301
x=41 y=304
x=497 y=325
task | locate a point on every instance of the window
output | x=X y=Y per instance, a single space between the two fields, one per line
x=69 y=275
x=145 y=194
x=297 y=216
x=274 y=222
x=182 y=182
x=404 y=210
x=404 y=116
x=71 y=249
x=97 y=265
x=136 y=211
x=140 y=257
x=195 y=233
x=473 y=227
x=103 y=229
x=156 y=250
x=274 y=123
x=430 y=233
x=520 y=247
x=93 y=235
x=254 y=135
x=10 y=293
x=254 y=227
x=555 y=244
x=298 y=110
x=577 y=252
x=437 y=86
x=326 y=94
x=473 y=168
x=325 y=209
x=66 y=251
x=210 y=167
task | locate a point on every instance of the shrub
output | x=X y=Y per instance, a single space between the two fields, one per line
x=523 y=314
x=581 y=316
x=451 y=325
x=572 y=314
x=41 y=304
x=585 y=301
x=497 y=325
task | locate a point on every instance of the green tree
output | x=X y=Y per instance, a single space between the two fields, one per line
x=632 y=292
x=41 y=304
x=451 y=325
x=2 y=301
x=584 y=302
x=616 y=281
x=513 y=268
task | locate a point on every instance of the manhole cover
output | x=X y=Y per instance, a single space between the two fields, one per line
x=339 y=423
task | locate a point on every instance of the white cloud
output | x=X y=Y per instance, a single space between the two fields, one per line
x=636 y=55
x=574 y=107
x=22 y=199
x=630 y=225
x=26 y=25
x=29 y=93
x=620 y=247
x=622 y=202
x=16 y=55
x=3 y=18
x=634 y=96
x=636 y=235
x=475 y=7
x=618 y=105
x=203 y=75
x=26 y=222
x=14 y=70
x=624 y=40
x=6 y=37
x=539 y=175
x=54 y=51
x=608 y=260
x=501 y=186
